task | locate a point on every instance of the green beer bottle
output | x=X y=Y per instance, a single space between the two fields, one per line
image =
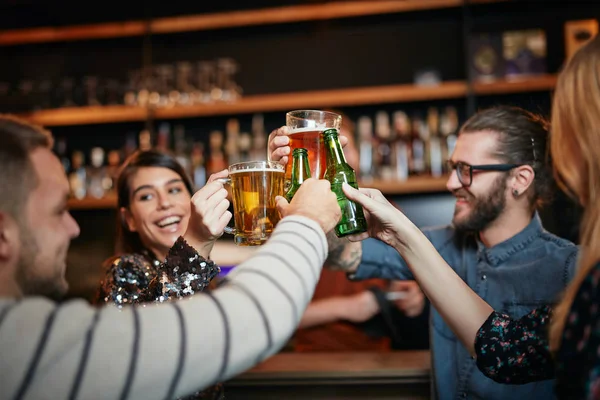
x=338 y=171
x=300 y=171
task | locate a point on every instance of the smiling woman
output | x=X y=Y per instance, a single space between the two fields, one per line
x=154 y=200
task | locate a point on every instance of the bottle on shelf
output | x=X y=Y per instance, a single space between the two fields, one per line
x=402 y=145
x=259 y=144
x=338 y=171
x=198 y=165
x=163 y=138
x=384 y=159
x=77 y=177
x=216 y=161
x=449 y=129
x=233 y=136
x=181 y=151
x=365 y=147
x=436 y=163
x=418 y=166
x=112 y=169
x=60 y=148
x=145 y=140
x=300 y=171
x=97 y=178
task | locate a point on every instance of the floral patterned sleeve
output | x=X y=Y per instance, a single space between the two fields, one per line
x=578 y=359
x=515 y=351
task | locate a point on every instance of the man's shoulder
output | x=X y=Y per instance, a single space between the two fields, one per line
x=441 y=234
x=557 y=245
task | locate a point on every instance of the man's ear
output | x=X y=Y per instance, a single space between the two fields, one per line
x=9 y=237
x=523 y=178
x=127 y=218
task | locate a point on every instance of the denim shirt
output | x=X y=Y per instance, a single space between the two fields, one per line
x=526 y=271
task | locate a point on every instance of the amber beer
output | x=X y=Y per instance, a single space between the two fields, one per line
x=311 y=140
x=305 y=130
x=254 y=186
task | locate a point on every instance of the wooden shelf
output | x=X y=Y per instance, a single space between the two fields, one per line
x=87 y=115
x=231 y=19
x=91 y=203
x=424 y=184
x=516 y=85
x=251 y=104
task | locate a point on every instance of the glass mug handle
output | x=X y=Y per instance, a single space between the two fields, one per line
x=228 y=229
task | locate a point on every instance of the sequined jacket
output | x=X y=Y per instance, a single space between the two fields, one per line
x=140 y=278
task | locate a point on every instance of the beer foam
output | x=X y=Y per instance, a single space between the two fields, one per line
x=309 y=129
x=257 y=170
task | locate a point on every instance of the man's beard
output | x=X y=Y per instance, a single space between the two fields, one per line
x=484 y=209
x=29 y=280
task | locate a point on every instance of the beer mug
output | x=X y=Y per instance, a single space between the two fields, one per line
x=254 y=186
x=305 y=129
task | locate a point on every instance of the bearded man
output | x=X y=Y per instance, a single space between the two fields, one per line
x=496 y=242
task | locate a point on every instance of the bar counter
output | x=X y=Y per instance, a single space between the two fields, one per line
x=393 y=375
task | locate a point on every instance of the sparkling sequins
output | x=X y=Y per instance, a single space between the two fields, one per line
x=184 y=273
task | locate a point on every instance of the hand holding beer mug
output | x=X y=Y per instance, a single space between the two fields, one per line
x=254 y=187
x=304 y=130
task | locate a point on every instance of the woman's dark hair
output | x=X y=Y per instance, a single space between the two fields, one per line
x=127 y=241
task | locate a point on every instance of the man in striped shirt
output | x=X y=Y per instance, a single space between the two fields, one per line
x=70 y=350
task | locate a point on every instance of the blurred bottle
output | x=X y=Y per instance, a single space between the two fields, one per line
x=402 y=145
x=365 y=148
x=96 y=174
x=182 y=151
x=259 y=144
x=198 y=165
x=383 y=133
x=217 y=161
x=436 y=163
x=77 y=177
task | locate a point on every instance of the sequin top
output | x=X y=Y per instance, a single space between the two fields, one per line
x=139 y=278
x=516 y=351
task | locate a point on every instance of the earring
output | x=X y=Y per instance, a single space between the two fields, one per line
x=515 y=192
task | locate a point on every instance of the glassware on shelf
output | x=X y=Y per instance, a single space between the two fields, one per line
x=184 y=87
x=227 y=88
x=112 y=92
x=90 y=84
x=67 y=92
x=206 y=82
x=132 y=88
x=43 y=95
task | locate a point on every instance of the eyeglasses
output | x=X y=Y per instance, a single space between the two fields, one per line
x=464 y=171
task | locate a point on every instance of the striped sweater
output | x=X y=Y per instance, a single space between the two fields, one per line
x=74 y=351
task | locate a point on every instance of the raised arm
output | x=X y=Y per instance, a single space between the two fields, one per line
x=169 y=350
x=463 y=310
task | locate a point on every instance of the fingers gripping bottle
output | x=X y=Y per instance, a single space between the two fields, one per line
x=300 y=171
x=338 y=171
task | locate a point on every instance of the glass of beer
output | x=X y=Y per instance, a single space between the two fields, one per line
x=305 y=128
x=254 y=186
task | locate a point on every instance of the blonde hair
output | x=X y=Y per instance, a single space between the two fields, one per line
x=573 y=143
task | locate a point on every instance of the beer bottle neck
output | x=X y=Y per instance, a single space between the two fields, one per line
x=300 y=169
x=334 y=148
